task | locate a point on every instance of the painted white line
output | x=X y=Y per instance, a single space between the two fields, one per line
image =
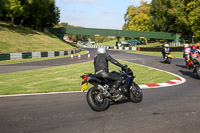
x=37 y=94
x=177 y=83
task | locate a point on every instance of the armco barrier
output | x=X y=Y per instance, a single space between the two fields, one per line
x=154 y=49
x=5 y=57
x=159 y=49
x=29 y=55
x=114 y=47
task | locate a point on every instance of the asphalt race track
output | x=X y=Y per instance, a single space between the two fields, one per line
x=174 y=109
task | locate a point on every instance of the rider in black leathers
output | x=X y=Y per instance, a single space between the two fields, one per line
x=101 y=67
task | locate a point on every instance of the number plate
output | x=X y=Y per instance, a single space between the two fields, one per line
x=83 y=86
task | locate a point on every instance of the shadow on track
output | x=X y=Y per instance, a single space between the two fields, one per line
x=120 y=102
x=182 y=66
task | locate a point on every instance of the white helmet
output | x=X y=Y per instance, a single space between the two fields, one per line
x=166 y=45
x=186 y=45
x=101 y=50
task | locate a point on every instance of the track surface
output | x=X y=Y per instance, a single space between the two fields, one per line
x=173 y=109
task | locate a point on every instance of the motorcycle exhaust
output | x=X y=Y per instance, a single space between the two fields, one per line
x=105 y=92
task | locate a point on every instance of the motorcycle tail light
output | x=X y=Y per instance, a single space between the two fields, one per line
x=84 y=77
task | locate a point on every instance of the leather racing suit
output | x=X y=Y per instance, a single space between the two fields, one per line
x=101 y=69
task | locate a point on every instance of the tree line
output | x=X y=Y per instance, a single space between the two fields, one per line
x=175 y=16
x=36 y=14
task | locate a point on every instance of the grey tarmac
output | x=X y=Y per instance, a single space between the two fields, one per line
x=173 y=109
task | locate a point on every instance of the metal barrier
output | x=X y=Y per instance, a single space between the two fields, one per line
x=29 y=55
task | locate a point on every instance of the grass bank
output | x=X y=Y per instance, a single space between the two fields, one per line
x=19 y=39
x=67 y=78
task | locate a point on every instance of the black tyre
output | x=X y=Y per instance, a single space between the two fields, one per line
x=136 y=94
x=197 y=71
x=96 y=100
x=169 y=60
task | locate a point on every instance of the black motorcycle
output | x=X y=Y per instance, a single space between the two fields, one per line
x=196 y=66
x=99 y=96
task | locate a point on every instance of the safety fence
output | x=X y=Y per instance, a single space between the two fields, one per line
x=159 y=49
x=29 y=55
x=153 y=49
x=114 y=47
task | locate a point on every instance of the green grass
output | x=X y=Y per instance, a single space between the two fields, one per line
x=38 y=59
x=174 y=54
x=67 y=78
x=20 y=39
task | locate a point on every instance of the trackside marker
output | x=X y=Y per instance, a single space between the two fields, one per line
x=88 y=55
x=79 y=56
x=72 y=57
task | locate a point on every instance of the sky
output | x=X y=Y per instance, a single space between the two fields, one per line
x=101 y=14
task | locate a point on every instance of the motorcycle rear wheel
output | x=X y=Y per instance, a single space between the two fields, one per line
x=96 y=101
x=136 y=94
x=169 y=60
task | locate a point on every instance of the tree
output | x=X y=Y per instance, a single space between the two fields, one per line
x=2 y=6
x=13 y=9
x=26 y=4
x=178 y=16
x=44 y=13
x=194 y=17
x=158 y=12
x=137 y=18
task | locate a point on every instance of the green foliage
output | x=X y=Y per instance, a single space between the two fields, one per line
x=137 y=18
x=33 y=13
x=13 y=9
x=178 y=16
x=194 y=17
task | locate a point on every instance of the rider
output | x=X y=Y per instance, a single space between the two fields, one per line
x=186 y=50
x=101 y=67
x=194 y=52
x=165 y=50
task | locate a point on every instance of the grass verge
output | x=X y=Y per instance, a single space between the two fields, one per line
x=67 y=78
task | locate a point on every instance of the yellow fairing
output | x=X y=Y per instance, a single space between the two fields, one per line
x=169 y=55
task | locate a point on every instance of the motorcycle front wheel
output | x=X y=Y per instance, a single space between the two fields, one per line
x=136 y=94
x=197 y=71
x=96 y=100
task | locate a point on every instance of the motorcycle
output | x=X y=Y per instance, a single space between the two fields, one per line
x=99 y=96
x=196 y=67
x=188 y=62
x=168 y=58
